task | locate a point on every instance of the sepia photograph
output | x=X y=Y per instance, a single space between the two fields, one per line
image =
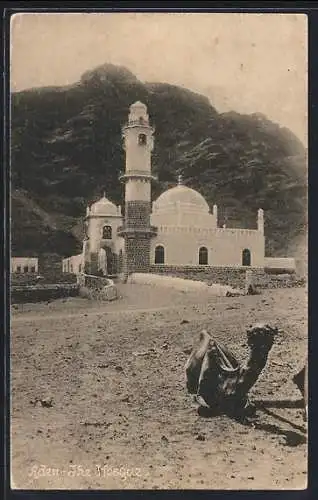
x=158 y=253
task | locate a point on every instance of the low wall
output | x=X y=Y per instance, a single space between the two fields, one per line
x=230 y=276
x=281 y=281
x=52 y=278
x=42 y=293
x=96 y=287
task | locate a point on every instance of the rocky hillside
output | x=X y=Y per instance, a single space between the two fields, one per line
x=67 y=149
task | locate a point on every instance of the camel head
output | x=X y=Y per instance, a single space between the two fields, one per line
x=261 y=336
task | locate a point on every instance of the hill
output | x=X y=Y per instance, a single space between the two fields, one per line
x=67 y=149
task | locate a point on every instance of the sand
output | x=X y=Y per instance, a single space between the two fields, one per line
x=99 y=398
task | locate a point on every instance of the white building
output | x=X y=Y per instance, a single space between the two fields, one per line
x=178 y=229
x=24 y=265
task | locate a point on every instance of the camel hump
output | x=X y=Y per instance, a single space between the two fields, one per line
x=204 y=335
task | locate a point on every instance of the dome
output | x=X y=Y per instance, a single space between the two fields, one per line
x=138 y=110
x=138 y=104
x=181 y=198
x=103 y=207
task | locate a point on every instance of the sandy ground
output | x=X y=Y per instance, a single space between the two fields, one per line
x=116 y=414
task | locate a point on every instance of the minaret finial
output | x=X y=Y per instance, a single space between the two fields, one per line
x=180 y=180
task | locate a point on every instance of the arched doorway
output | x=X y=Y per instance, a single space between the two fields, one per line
x=102 y=262
x=246 y=257
x=203 y=256
x=159 y=255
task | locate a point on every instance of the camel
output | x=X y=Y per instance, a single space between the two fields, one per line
x=218 y=380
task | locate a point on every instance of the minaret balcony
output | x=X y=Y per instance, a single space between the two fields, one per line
x=126 y=230
x=137 y=174
x=138 y=123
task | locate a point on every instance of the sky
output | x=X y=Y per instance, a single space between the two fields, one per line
x=243 y=62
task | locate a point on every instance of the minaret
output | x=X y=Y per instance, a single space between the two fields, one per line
x=138 y=144
x=260 y=220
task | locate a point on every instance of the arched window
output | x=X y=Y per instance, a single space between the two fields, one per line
x=80 y=268
x=26 y=269
x=159 y=255
x=18 y=269
x=107 y=233
x=142 y=139
x=33 y=269
x=246 y=257
x=203 y=256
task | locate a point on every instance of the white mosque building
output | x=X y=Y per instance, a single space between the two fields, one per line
x=177 y=230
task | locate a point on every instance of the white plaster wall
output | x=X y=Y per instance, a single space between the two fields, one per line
x=224 y=246
x=95 y=227
x=137 y=190
x=72 y=264
x=138 y=157
x=119 y=244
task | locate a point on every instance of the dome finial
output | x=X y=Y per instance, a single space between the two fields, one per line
x=180 y=180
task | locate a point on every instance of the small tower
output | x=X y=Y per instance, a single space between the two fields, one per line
x=180 y=180
x=138 y=144
x=215 y=213
x=103 y=218
x=260 y=220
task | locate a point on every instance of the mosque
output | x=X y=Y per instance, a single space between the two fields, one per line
x=177 y=229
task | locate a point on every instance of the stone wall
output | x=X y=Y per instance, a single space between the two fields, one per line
x=234 y=277
x=137 y=236
x=96 y=287
x=137 y=253
x=231 y=276
x=42 y=293
x=137 y=214
x=53 y=278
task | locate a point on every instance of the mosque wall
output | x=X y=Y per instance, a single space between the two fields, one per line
x=224 y=246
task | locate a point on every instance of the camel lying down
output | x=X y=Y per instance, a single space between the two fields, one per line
x=218 y=380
